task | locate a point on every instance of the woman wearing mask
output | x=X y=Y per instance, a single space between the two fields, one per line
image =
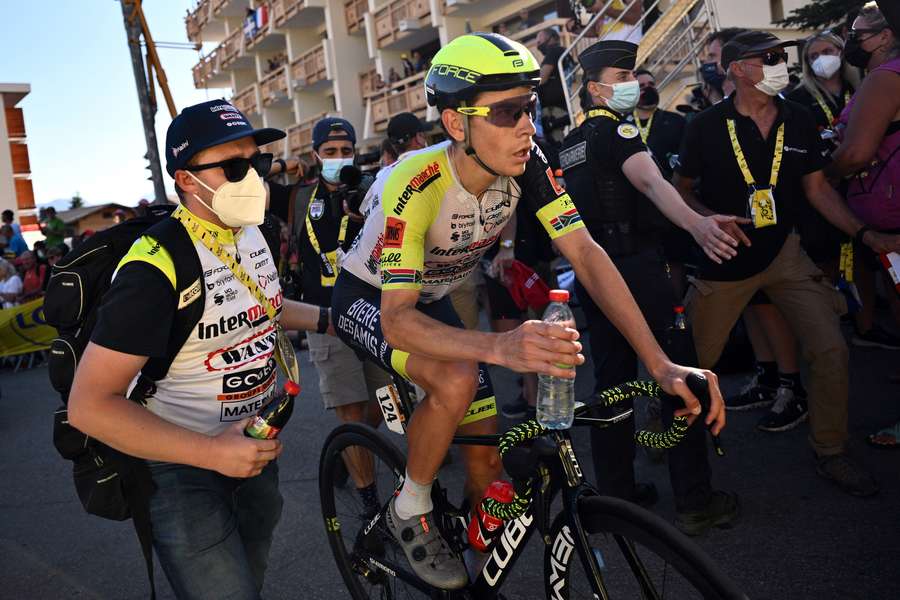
x=869 y=156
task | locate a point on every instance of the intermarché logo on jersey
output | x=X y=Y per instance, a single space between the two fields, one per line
x=426 y=177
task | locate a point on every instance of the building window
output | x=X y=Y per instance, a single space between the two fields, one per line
x=777 y=9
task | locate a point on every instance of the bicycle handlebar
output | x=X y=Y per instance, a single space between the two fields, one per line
x=529 y=430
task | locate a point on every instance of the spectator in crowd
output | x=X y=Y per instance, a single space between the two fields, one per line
x=419 y=62
x=143 y=208
x=554 y=116
x=715 y=85
x=388 y=153
x=758 y=155
x=33 y=276
x=406 y=132
x=525 y=20
x=8 y=218
x=5 y=251
x=10 y=284
x=621 y=21
x=53 y=256
x=393 y=76
x=408 y=68
x=52 y=227
x=379 y=82
x=15 y=242
x=869 y=156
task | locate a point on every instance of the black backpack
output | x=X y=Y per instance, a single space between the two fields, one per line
x=109 y=483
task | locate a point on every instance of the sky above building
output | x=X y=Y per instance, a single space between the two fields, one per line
x=82 y=116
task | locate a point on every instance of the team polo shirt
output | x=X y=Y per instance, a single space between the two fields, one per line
x=424 y=231
x=226 y=369
x=706 y=154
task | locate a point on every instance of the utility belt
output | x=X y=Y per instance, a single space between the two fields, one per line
x=620 y=238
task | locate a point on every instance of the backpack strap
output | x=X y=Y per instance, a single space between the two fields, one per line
x=190 y=291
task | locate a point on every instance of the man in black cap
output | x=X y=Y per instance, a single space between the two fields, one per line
x=615 y=184
x=406 y=132
x=760 y=156
x=216 y=500
x=324 y=225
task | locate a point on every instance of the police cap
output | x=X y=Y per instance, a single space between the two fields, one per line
x=609 y=53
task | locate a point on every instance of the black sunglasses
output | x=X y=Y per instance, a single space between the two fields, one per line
x=770 y=59
x=236 y=168
x=505 y=113
x=854 y=34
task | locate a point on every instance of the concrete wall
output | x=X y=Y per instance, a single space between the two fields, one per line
x=7 y=187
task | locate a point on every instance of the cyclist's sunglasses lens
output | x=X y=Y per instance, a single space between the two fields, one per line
x=236 y=168
x=508 y=112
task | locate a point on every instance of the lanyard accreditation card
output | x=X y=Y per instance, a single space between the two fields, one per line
x=761 y=199
x=331 y=261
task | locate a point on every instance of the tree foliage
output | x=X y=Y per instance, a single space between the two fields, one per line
x=820 y=14
x=76 y=202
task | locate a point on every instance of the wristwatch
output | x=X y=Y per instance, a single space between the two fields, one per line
x=322 y=325
x=507 y=244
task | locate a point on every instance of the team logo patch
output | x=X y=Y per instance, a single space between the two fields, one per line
x=190 y=294
x=393 y=232
x=316 y=209
x=422 y=180
x=627 y=131
x=556 y=187
x=574 y=156
x=564 y=220
x=389 y=276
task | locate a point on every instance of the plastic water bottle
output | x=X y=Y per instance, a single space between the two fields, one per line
x=556 y=395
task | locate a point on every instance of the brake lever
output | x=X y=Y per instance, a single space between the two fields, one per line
x=699 y=386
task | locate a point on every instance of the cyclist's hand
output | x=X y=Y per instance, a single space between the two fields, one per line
x=673 y=382
x=235 y=455
x=538 y=347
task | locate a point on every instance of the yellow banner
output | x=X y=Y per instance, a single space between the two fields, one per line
x=23 y=329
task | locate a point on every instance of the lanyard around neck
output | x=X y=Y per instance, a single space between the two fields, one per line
x=328 y=258
x=209 y=240
x=645 y=131
x=742 y=160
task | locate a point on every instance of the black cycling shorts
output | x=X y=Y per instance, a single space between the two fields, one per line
x=356 y=315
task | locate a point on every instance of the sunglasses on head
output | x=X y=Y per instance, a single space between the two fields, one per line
x=505 y=113
x=236 y=168
x=771 y=58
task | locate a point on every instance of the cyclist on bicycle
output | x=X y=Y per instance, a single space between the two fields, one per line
x=429 y=220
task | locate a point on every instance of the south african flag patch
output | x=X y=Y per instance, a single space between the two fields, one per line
x=391 y=276
x=564 y=220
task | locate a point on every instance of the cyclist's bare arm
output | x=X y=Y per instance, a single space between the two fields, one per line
x=532 y=347
x=98 y=407
x=599 y=276
x=299 y=315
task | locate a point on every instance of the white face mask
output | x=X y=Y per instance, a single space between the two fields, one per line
x=238 y=203
x=331 y=168
x=826 y=65
x=625 y=95
x=775 y=78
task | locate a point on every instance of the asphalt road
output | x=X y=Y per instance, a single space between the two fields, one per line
x=799 y=537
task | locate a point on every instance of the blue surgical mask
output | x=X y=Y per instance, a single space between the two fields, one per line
x=331 y=168
x=711 y=75
x=625 y=96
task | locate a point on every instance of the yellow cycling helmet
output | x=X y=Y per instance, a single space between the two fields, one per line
x=478 y=62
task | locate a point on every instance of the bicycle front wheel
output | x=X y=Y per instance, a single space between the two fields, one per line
x=362 y=555
x=639 y=555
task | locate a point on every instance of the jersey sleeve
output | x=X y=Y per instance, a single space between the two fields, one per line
x=410 y=200
x=547 y=198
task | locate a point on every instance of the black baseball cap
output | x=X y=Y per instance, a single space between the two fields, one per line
x=751 y=43
x=332 y=128
x=401 y=128
x=209 y=124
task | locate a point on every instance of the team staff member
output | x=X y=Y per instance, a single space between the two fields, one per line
x=758 y=155
x=216 y=502
x=616 y=185
x=325 y=231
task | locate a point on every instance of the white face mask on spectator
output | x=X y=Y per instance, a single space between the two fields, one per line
x=826 y=65
x=775 y=78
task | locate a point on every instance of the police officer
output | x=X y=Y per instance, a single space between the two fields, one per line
x=617 y=186
x=325 y=223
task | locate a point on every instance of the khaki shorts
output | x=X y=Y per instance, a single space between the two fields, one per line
x=343 y=378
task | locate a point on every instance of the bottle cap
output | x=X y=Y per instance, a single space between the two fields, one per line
x=679 y=309
x=559 y=295
x=291 y=388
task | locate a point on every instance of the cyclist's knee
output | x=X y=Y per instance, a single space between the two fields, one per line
x=453 y=384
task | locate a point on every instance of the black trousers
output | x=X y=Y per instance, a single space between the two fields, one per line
x=615 y=362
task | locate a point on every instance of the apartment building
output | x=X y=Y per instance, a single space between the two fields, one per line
x=291 y=62
x=16 y=192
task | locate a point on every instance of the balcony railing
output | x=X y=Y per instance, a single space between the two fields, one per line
x=206 y=68
x=196 y=19
x=24 y=194
x=217 y=5
x=407 y=95
x=245 y=100
x=285 y=10
x=300 y=135
x=15 y=123
x=20 y=162
x=266 y=29
x=231 y=48
x=367 y=86
x=274 y=86
x=309 y=67
x=354 y=13
x=397 y=18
